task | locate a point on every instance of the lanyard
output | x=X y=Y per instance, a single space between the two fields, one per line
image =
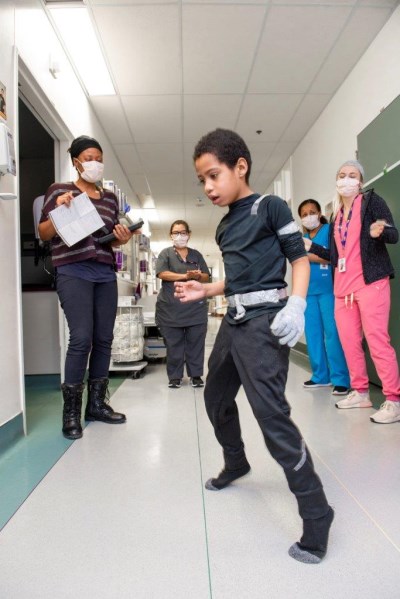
x=186 y=261
x=343 y=238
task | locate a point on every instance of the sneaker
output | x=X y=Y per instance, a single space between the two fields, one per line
x=174 y=383
x=388 y=412
x=354 y=399
x=197 y=381
x=312 y=385
x=339 y=390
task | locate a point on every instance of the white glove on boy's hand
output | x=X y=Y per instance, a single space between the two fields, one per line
x=288 y=324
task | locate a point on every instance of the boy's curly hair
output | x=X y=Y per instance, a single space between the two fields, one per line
x=227 y=146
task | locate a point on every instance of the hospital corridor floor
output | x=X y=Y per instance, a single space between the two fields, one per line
x=123 y=513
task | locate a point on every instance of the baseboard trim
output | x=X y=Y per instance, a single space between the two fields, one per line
x=10 y=431
x=299 y=356
x=301 y=348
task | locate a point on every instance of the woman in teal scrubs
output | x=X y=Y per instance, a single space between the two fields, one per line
x=325 y=352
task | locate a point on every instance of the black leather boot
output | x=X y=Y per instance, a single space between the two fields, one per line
x=72 y=395
x=97 y=407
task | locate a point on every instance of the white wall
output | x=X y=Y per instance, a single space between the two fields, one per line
x=29 y=31
x=40 y=320
x=11 y=394
x=372 y=84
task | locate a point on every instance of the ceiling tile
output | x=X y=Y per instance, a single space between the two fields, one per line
x=260 y=152
x=263 y=2
x=349 y=48
x=378 y=3
x=111 y=115
x=269 y=113
x=318 y=2
x=154 y=119
x=261 y=181
x=132 y=167
x=143 y=47
x=128 y=157
x=161 y=158
x=204 y=113
x=306 y=114
x=130 y=2
x=218 y=49
x=193 y=189
x=139 y=184
x=188 y=165
x=166 y=201
x=161 y=183
x=296 y=39
x=281 y=153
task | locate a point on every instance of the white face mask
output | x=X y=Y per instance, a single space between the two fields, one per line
x=348 y=186
x=92 y=171
x=181 y=241
x=310 y=222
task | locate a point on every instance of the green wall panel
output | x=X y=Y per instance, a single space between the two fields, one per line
x=379 y=145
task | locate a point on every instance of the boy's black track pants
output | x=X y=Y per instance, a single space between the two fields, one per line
x=249 y=354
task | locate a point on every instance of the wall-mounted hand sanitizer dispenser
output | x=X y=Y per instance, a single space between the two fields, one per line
x=7 y=152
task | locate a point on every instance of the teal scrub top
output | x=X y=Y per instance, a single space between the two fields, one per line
x=321 y=274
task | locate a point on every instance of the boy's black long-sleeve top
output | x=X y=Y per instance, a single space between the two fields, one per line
x=255 y=247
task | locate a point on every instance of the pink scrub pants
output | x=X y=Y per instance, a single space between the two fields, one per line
x=367 y=312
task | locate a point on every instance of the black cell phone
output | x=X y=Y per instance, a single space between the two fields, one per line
x=111 y=237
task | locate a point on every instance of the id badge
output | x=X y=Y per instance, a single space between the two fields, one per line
x=342 y=265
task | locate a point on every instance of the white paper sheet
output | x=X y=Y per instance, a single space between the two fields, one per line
x=76 y=221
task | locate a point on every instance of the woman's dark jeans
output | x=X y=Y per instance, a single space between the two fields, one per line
x=90 y=310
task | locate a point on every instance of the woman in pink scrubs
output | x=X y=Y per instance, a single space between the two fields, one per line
x=362 y=226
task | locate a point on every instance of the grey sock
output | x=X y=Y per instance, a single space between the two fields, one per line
x=302 y=555
x=314 y=543
x=226 y=477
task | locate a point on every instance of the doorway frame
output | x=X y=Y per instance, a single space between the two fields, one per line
x=35 y=99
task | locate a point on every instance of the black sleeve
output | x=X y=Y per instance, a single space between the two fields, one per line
x=275 y=213
x=279 y=219
x=381 y=211
x=320 y=251
x=293 y=246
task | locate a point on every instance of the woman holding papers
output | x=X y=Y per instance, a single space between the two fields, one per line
x=86 y=285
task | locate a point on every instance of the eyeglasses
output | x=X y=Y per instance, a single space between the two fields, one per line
x=176 y=234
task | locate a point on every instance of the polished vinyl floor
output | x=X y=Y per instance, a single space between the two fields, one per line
x=123 y=513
